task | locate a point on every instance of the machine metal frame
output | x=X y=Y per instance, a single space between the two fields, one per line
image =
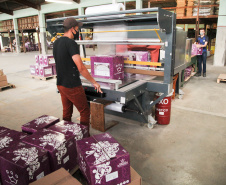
x=134 y=95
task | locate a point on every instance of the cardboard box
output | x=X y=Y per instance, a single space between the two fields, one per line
x=61 y=148
x=32 y=70
x=41 y=60
x=39 y=123
x=48 y=59
x=195 y=50
x=10 y=138
x=75 y=130
x=59 y=177
x=53 y=68
x=1 y=72
x=45 y=71
x=143 y=56
x=3 y=83
x=23 y=164
x=37 y=59
x=103 y=160
x=3 y=78
x=3 y=129
x=135 y=177
x=37 y=70
x=109 y=67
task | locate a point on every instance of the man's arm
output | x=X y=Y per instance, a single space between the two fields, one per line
x=202 y=46
x=84 y=72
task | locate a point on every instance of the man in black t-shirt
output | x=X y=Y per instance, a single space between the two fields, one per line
x=69 y=66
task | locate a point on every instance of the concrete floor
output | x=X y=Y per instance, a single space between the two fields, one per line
x=191 y=150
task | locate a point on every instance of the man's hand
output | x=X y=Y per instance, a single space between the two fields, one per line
x=97 y=87
x=198 y=46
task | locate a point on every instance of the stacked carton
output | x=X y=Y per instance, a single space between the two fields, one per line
x=44 y=66
x=181 y=11
x=26 y=158
x=204 y=11
x=189 y=10
x=3 y=79
x=109 y=67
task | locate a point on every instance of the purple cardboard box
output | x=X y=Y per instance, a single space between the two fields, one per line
x=195 y=50
x=3 y=129
x=45 y=71
x=109 y=67
x=41 y=60
x=37 y=70
x=37 y=59
x=10 y=138
x=103 y=160
x=39 y=123
x=76 y=130
x=53 y=65
x=143 y=56
x=23 y=164
x=48 y=59
x=61 y=148
x=32 y=70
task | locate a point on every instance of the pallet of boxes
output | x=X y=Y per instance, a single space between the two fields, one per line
x=48 y=149
x=44 y=67
x=180 y=11
x=3 y=81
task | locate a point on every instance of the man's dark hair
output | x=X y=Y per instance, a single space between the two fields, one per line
x=70 y=23
x=66 y=29
x=201 y=29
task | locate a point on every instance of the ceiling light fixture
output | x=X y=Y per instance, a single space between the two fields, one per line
x=60 y=1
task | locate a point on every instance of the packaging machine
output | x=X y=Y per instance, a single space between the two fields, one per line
x=134 y=96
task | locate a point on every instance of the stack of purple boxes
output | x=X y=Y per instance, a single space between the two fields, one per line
x=26 y=158
x=195 y=50
x=44 y=66
x=187 y=72
x=103 y=160
x=20 y=163
x=49 y=146
x=109 y=67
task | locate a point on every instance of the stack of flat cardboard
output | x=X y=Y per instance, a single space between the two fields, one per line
x=189 y=10
x=3 y=79
x=181 y=11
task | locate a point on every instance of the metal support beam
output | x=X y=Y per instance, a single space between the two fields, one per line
x=3 y=10
x=16 y=32
x=28 y=3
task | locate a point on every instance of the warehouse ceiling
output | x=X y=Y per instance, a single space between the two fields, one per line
x=8 y=6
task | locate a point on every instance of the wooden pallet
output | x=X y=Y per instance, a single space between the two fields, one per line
x=7 y=86
x=221 y=78
x=44 y=78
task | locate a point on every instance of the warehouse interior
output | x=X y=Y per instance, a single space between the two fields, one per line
x=188 y=148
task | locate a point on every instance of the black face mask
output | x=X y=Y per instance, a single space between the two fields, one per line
x=76 y=36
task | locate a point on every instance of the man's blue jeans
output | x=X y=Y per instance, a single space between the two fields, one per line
x=202 y=59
